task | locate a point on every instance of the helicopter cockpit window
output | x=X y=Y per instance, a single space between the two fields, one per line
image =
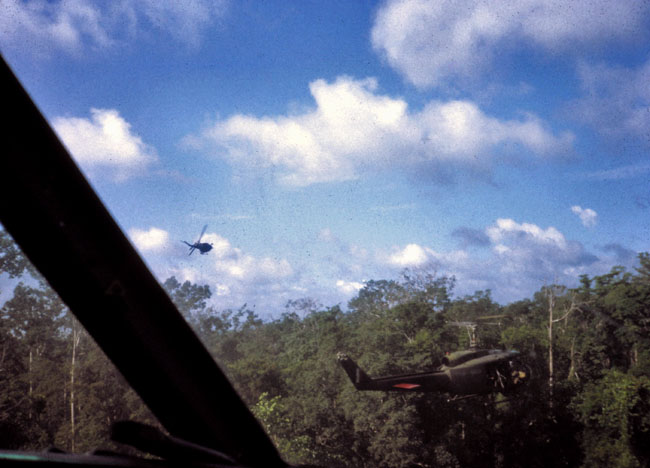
x=403 y=228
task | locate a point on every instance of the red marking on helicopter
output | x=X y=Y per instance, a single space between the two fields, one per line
x=406 y=386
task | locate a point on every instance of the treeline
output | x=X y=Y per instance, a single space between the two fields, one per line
x=587 y=405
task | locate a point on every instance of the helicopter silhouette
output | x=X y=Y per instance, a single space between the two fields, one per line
x=202 y=247
x=463 y=374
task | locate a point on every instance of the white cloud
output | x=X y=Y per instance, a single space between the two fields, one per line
x=509 y=229
x=234 y=276
x=588 y=216
x=184 y=274
x=412 y=255
x=529 y=250
x=433 y=41
x=42 y=26
x=354 y=129
x=615 y=100
x=151 y=240
x=349 y=288
x=415 y=256
x=234 y=265
x=620 y=173
x=185 y=21
x=250 y=269
x=519 y=259
x=522 y=258
x=221 y=247
x=39 y=26
x=105 y=143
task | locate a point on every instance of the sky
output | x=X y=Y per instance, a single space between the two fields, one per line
x=324 y=145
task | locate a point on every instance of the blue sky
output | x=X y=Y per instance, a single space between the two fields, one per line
x=503 y=143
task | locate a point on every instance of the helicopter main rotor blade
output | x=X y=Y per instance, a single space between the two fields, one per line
x=202 y=232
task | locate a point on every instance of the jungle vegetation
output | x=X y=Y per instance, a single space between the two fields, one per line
x=587 y=405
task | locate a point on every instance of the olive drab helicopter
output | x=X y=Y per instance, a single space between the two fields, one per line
x=463 y=374
x=202 y=247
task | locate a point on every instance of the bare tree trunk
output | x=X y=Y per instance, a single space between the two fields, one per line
x=4 y=354
x=551 y=305
x=572 y=362
x=31 y=384
x=76 y=336
x=29 y=371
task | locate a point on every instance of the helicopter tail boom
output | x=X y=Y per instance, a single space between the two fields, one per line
x=435 y=381
x=191 y=246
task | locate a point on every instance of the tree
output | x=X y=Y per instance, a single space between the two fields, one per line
x=616 y=417
x=12 y=260
x=189 y=298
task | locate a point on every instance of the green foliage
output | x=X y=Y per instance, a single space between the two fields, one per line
x=189 y=298
x=272 y=413
x=36 y=389
x=12 y=260
x=596 y=412
x=616 y=417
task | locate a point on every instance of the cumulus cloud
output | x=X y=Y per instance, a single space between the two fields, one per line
x=104 y=143
x=615 y=100
x=433 y=41
x=415 y=256
x=235 y=277
x=232 y=263
x=42 y=26
x=412 y=255
x=522 y=258
x=355 y=129
x=151 y=240
x=529 y=249
x=505 y=228
x=250 y=269
x=588 y=216
x=349 y=288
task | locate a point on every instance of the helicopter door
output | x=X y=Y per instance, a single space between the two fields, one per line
x=471 y=380
x=510 y=375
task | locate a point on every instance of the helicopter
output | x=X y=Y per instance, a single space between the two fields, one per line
x=203 y=247
x=463 y=374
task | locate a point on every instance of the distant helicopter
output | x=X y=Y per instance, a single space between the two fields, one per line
x=202 y=247
x=463 y=374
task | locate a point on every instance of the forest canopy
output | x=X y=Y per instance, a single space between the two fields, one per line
x=587 y=405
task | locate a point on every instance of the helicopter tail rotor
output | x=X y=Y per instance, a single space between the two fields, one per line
x=191 y=246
